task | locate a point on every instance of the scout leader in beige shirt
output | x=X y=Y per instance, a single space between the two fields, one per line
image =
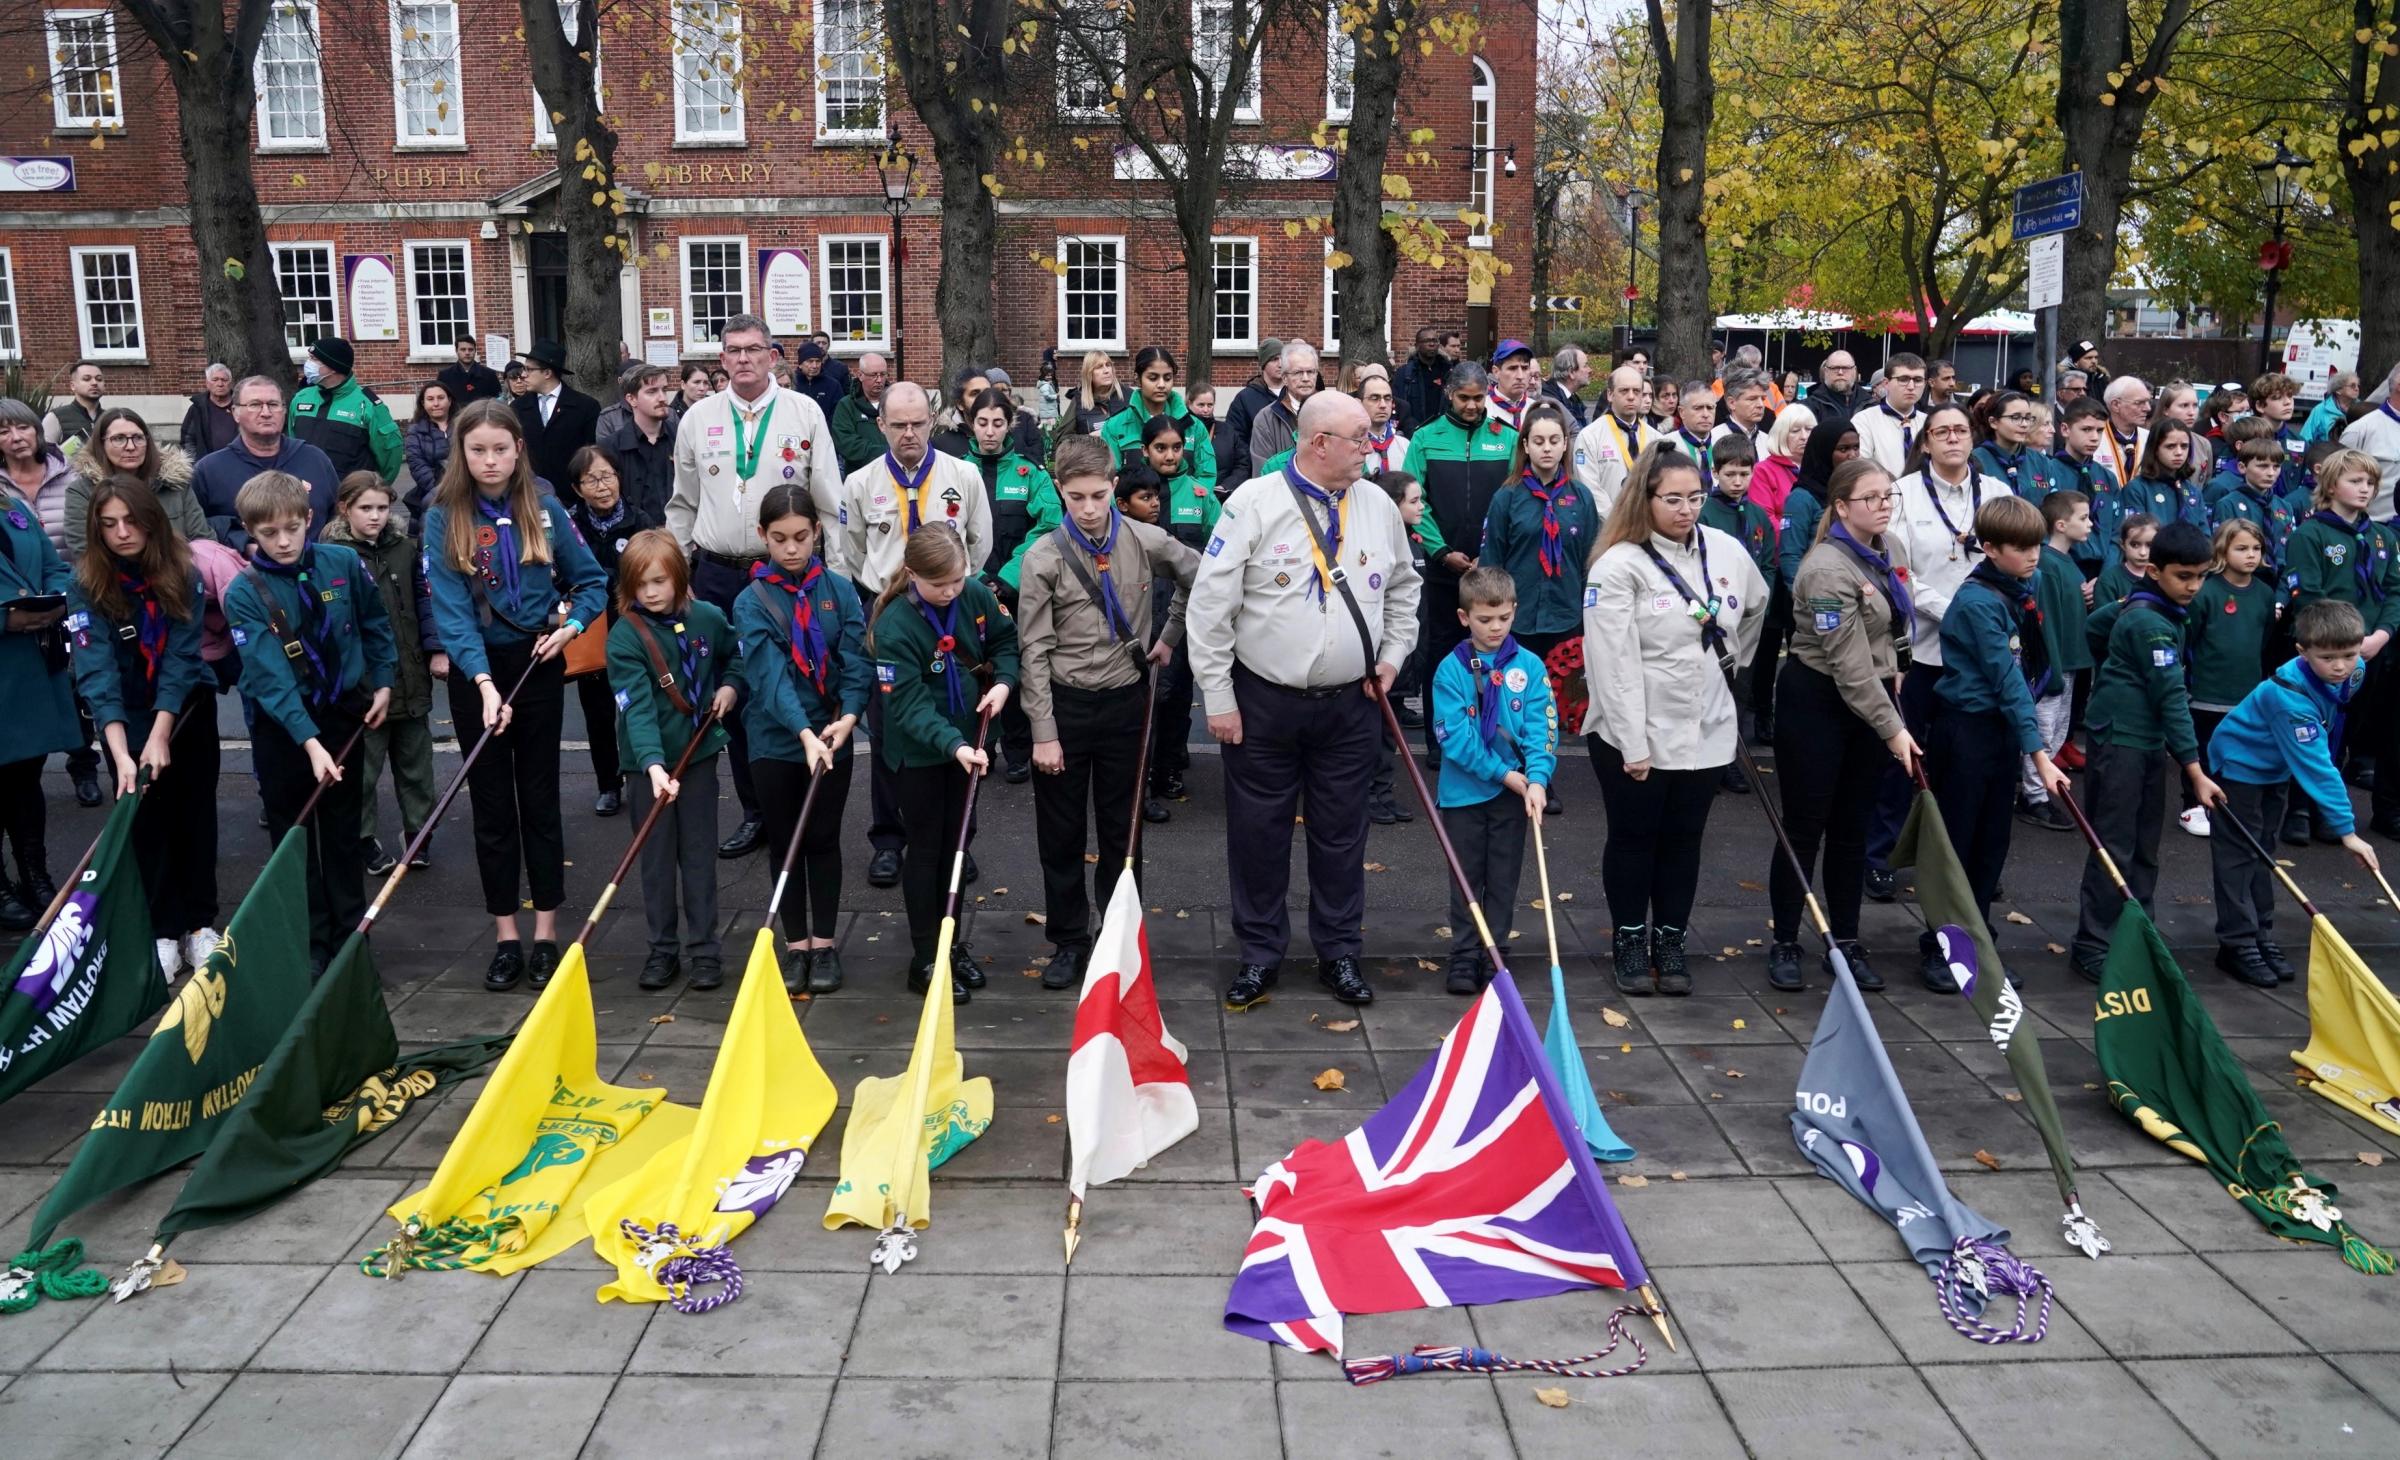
x=1842 y=628
x=1064 y=635
x=737 y=444
x=908 y=487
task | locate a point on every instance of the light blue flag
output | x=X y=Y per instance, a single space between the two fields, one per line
x=1574 y=1082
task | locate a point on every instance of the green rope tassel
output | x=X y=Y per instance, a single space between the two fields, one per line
x=2366 y=1256
x=441 y=1249
x=55 y=1271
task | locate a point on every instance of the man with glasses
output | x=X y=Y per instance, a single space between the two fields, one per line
x=731 y=448
x=1837 y=395
x=1289 y=688
x=1275 y=429
x=1606 y=449
x=1887 y=431
x=260 y=445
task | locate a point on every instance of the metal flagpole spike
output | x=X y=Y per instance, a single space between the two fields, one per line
x=1074 y=1232
x=1657 y=1312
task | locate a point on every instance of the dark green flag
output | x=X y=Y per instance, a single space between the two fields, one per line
x=336 y=1079
x=207 y=1049
x=1948 y=903
x=2169 y=1072
x=91 y=976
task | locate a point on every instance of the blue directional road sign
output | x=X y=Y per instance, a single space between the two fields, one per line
x=2051 y=206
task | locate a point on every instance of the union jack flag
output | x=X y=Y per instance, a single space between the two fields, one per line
x=1472 y=1186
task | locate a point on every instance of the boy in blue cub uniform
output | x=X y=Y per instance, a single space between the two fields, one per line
x=318 y=660
x=1498 y=728
x=2288 y=729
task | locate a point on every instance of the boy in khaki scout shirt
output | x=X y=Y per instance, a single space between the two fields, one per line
x=1084 y=611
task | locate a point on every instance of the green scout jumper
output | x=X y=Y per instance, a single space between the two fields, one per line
x=1744 y=520
x=2358 y=563
x=700 y=656
x=2139 y=700
x=2225 y=640
x=1123 y=433
x=2058 y=588
x=779 y=701
x=930 y=695
x=327 y=601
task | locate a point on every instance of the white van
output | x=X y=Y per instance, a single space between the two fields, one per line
x=2318 y=349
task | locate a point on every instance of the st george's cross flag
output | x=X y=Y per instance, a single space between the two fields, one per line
x=1129 y=1095
x=1472 y=1186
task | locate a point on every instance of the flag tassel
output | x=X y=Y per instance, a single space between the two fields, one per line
x=56 y=1272
x=641 y=833
x=1427 y=1358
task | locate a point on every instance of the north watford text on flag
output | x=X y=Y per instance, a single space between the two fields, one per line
x=1129 y=1095
x=2353 y=1054
x=90 y=976
x=1472 y=1186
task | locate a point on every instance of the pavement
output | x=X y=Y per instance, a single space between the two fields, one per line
x=1804 y=1329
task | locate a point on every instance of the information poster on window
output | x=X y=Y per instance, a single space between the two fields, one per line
x=783 y=290
x=660 y=352
x=662 y=324
x=374 y=296
x=496 y=352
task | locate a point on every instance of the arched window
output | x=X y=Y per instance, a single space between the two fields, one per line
x=1483 y=106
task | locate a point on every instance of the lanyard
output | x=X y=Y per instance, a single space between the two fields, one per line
x=1958 y=539
x=1104 y=588
x=1324 y=544
x=911 y=487
x=1703 y=611
x=747 y=452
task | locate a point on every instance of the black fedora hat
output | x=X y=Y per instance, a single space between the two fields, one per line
x=549 y=354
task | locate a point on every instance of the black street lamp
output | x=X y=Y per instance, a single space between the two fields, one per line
x=2279 y=178
x=896 y=168
x=1633 y=253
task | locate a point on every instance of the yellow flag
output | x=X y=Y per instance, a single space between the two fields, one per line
x=544 y=1135
x=767 y=1100
x=900 y=1129
x=2353 y=1031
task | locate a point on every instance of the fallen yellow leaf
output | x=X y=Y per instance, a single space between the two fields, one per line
x=2012 y=1097
x=1741 y=1023
x=1429 y=965
x=1377 y=867
x=1340 y=1026
x=1554 y=1398
x=1566 y=897
x=1987 y=1160
x=1037 y=919
x=2056 y=947
x=1624 y=1049
x=1677 y=1176
x=1613 y=1019
x=1331 y=1080
x=2370 y=1158
x=999 y=892
x=1735 y=1075
x=1633 y=1181
x=662 y=1018
x=2019 y=919
x=1443 y=931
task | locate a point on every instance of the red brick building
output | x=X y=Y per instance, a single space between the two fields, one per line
x=406 y=170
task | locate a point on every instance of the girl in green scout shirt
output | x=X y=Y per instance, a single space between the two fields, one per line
x=363 y=523
x=2225 y=640
x=133 y=620
x=500 y=554
x=671 y=660
x=1155 y=397
x=2339 y=553
x=2131 y=568
x=2165 y=487
x=936 y=635
x=805 y=666
x=41 y=700
x=606 y=519
x=1189 y=509
x=1539 y=529
x=1024 y=507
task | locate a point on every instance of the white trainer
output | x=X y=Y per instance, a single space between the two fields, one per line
x=170 y=958
x=2194 y=821
x=198 y=946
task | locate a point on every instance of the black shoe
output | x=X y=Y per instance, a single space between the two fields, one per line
x=2322 y=834
x=824 y=971
x=1170 y=785
x=379 y=862
x=1017 y=772
x=2243 y=962
x=545 y=963
x=39 y=888
x=16 y=915
x=1381 y=811
x=1409 y=719
x=608 y=803
x=1464 y=979
x=1733 y=780
x=2387 y=827
x=707 y=973
x=2046 y=814
x=920 y=979
x=1343 y=980
x=883 y=870
x=1631 y=953
x=1666 y=950
x=2276 y=963
x=1400 y=811
x=1553 y=804
x=1934 y=970
x=743 y=842
x=87 y=792
x=659 y=970
x=1066 y=965
x=1862 y=972
x=968 y=872
x=2295 y=827
x=1883 y=884
x=420 y=861
x=1763 y=731
x=1783 y=967
x=2087 y=967
x=2362 y=774
x=1155 y=811
x=1250 y=985
x=798 y=964
x=966 y=967
x=508 y=967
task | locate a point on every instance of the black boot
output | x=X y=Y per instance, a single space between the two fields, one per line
x=824 y=971
x=2276 y=963
x=1632 y=955
x=1783 y=967
x=15 y=915
x=1666 y=949
x=1862 y=972
x=2243 y=962
x=2295 y=825
x=33 y=869
x=1933 y=970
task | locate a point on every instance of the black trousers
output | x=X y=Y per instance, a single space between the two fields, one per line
x=2245 y=883
x=1171 y=733
x=1918 y=711
x=337 y=862
x=931 y=800
x=1773 y=635
x=175 y=832
x=812 y=900
x=1828 y=764
x=1100 y=739
x=600 y=723
x=1650 y=867
x=721 y=583
x=514 y=783
x=2380 y=735
x=886 y=825
x=1016 y=730
x=2125 y=795
x=1301 y=753
x=1973 y=763
x=25 y=817
x=1489 y=837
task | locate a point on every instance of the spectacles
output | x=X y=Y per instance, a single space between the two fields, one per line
x=1879 y=499
x=2020 y=418
x=1679 y=501
x=1359 y=440
x=743 y=352
x=259 y=405
x=1948 y=433
x=1904 y=380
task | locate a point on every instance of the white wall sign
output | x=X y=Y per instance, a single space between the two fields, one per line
x=784 y=290
x=2046 y=273
x=662 y=323
x=374 y=296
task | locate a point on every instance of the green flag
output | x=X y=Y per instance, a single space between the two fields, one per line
x=1948 y=903
x=335 y=1080
x=2169 y=1072
x=91 y=976
x=207 y=1049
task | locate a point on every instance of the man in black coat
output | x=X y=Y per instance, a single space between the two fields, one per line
x=558 y=419
x=1418 y=384
x=468 y=380
x=1232 y=443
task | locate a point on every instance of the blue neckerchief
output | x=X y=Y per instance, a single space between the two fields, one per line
x=1703 y=610
x=1879 y=566
x=1933 y=494
x=945 y=649
x=690 y=661
x=1554 y=548
x=499 y=555
x=149 y=616
x=2336 y=700
x=2362 y=536
x=1485 y=674
x=1701 y=456
x=2175 y=613
x=1118 y=624
x=2011 y=467
x=316 y=627
x=1333 y=522
x=908 y=484
x=1908 y=433
x=610 y=524
x=809 y=652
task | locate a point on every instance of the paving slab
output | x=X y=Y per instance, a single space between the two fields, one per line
x=1835 y=1414
x=794 y=1325
x=425 y=1323
x=215 y=1319
x=2041 y=1411
x=103 y=1414
x=2332 y=1308
x=1202 y=1419
x=938 y=1419
x=554 y=1323
x=1773 y=1318
x=1167 y=1328
x=917 y=1327
x=511 y=1414
x=322 y=1416
x=1404 y=1419
x=2170 y=1307
x=728 y=1419
x=2258 y=1406
x=1906 y=1303
x=1711 y=1223
x=1673 y=1414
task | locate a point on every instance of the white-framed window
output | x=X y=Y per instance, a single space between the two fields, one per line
x=1213 y=47
x=1234 y=285
x=441 y=296
x=108 y=302
x=545 y=132
x=84 y=90
x=291 y=81
x=1091 y=58
x=716 y=287
x=304 y=276
x=11 y=347
x=1091 y=292
x=856 y=288
x=1341 y=59
x=1481 y=109
x=426 y=105
x=708 y=73
x=1333 y=310
x=850 y=69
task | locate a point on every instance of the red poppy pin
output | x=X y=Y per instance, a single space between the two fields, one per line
x=486 y=537
x=1024 y=471
x=1901 y=574
x=789 y=454
x=945 y=644
x=2230 y=605
x=806 y=444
